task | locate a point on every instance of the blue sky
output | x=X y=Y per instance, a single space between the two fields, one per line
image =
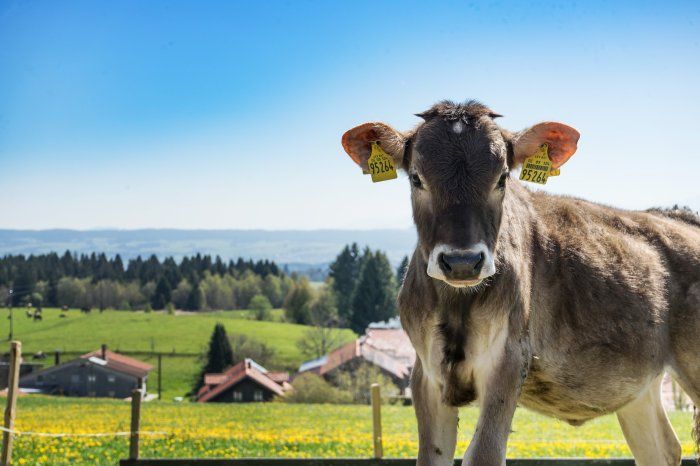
x=229 y=114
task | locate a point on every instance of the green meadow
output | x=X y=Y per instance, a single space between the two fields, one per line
x=187 y=430
x=186 y=333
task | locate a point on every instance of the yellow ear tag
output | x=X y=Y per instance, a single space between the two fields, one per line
x=537 y=168
x=381 y=166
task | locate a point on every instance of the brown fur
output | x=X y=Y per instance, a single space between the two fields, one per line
x=596 y=302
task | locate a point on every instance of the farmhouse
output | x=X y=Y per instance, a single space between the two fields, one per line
x=24 y=369
x=384 y=345
x=244 y=382
x=100 y=373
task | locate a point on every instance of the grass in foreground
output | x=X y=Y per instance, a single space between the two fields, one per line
x=154 y=331
x=281 y=430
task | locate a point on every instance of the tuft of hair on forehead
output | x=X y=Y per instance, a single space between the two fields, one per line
x=451 y=111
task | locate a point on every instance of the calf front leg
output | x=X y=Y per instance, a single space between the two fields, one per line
x=437 y=422
x=498 y=401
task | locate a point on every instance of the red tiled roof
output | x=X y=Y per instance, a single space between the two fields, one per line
x=214 y=379
x=394 y=342
x=234 y=375
x=340 y=356
x=121 y=363
x=279 y=377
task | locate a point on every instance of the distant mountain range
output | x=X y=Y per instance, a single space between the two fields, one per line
x=299 y=249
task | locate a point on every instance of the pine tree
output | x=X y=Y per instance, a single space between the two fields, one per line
x=401 y=270
x=52 y=296
x=195 y=301
x=344 y=271
x=118 y=266
x=68 y=264
x=102 y=269
x=133 y=270
x=219 y=356
x=162 y=295
x=219 y=266
x=24 y=284
x=374 y=298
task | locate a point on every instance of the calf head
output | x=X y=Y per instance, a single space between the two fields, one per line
x=458 y=162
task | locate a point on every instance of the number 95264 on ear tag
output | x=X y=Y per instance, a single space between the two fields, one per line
x=537 y=168
x=380 y=164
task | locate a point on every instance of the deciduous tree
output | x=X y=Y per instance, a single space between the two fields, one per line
x=298 y=302
x=261 y=307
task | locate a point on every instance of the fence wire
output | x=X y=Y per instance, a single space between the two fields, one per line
x=72 y=434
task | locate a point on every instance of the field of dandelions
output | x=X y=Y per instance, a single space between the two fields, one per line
x=280 y=430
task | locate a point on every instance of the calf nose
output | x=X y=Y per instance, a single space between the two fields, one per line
x=461 y=266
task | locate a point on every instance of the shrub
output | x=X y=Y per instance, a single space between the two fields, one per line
x=261 y=307
x=244 y=347
x=311 y=388
x=356 y=381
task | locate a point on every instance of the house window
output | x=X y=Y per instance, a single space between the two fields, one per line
x=75 y=378
x=237 y=396
x=111 y=379
x=258 y=395
x=92 y=378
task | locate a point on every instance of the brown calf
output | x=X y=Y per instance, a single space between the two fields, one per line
x=569 y=308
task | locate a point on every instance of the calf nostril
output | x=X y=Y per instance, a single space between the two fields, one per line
x=480 y=263
x=462 y=266
x=443 y=263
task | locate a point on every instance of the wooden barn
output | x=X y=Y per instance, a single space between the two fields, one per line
x=244 y=382
x=100 y=373
x=24 y=369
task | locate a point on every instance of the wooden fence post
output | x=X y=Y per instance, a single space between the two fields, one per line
x=377 y=420
x=136 y=396
x=160 y=371
x=11 y=406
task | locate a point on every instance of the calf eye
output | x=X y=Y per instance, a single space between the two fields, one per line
x=415 y=181
x=502 y=181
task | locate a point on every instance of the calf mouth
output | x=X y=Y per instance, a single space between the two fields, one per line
x=461 y=267
x=464 y=283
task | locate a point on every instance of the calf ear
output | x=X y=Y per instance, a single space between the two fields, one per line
x=560 y=138
x=357 y=142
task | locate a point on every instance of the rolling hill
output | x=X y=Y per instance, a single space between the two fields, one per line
x=153 y=332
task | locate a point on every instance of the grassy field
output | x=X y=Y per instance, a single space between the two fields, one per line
x=154 y=331
x=282 y=430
